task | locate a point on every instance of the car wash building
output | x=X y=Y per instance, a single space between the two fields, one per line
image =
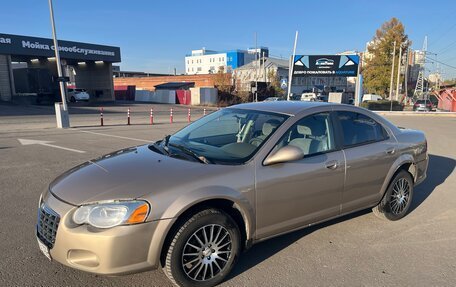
x=28 y=71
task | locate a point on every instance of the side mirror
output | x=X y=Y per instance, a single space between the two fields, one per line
x=284 y=154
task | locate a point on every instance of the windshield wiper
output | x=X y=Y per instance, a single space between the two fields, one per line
x=190 y=152
x=162 y=146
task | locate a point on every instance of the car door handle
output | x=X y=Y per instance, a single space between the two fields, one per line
x=332 y=164
x=390 y=151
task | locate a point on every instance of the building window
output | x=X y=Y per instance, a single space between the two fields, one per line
x=198 y=69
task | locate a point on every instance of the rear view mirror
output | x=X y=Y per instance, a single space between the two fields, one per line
x=284 y=154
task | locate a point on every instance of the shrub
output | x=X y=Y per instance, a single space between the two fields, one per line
x=383 y=105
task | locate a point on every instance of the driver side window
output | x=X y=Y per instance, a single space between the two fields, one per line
x=312 y=134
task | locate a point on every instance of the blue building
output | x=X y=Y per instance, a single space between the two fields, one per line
x=209 y=62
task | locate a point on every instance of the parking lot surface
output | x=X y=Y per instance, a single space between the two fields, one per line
x=355 y=250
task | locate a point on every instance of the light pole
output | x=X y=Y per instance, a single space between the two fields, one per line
x=399 y=62
x=291 y=66
x=392 y=77
x=61 y=109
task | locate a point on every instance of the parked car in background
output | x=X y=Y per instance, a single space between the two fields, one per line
x=423 y=106
x=191 y=202
x=309 y=97
x=371 y=97
x=77 y=95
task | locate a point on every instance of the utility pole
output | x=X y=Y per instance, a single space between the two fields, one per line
x=392 y=78
x=398 y=81
x=406 y=75
x=61 y=114
x=264 y=68
x=256 y=70
x=291 y=67
x=392 y=73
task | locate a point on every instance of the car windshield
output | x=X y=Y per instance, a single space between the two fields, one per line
x=229 y=136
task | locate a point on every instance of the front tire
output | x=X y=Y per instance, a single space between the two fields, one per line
x=203 y=250
x=397 y=199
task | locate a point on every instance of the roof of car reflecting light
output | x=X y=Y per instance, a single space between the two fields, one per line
x=282 y=107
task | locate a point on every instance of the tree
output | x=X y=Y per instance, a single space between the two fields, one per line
x=274 y=83
x=222 y=81
x=377 y=68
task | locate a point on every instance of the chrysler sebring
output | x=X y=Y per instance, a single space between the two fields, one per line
x=193 y=201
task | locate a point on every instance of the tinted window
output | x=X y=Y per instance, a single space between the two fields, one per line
x=312 y=134
x=358 y=129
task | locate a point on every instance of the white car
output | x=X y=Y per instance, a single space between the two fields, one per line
x=308 y=97
x=371 y=97
x=76 y=95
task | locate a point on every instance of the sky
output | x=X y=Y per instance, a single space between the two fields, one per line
x=155 y=35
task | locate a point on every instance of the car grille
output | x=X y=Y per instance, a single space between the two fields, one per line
x=46 y=228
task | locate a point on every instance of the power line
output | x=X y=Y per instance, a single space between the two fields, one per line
x=435 y=60
x=447 y=48
x=442 y=35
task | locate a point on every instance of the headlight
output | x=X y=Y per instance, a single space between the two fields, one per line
x=110 y=214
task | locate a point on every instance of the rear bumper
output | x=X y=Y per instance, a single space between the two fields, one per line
x=421 y=170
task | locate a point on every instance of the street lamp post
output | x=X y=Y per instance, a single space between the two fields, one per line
x=392 y=78
x=61 y=109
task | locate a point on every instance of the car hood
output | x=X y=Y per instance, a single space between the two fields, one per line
x=127 y=174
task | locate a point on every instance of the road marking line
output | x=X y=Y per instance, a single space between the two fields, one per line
x=114 y=136
x=47 y=143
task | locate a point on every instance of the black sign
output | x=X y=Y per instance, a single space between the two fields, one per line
x=62 y=79
x=325 y=66
x=42 y=47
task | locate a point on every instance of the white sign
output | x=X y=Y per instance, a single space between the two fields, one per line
x=284 y=84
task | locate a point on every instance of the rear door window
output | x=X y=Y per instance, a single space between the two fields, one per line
x=358 y=129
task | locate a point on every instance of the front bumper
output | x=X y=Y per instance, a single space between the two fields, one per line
x=113 y=251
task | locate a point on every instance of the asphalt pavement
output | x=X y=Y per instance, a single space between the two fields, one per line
x=355 y=250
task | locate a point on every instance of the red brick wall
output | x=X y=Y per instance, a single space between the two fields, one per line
x=148 y=83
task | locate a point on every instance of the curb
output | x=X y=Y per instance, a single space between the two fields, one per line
x=426 y=114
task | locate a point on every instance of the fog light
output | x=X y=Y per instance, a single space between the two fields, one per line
x=83 y=258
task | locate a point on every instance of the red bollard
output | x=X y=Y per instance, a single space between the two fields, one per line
x=171 y=116
x=204 y=112
x=151 y=116
x=189 y=116
x=101 y=116
x=128 y=116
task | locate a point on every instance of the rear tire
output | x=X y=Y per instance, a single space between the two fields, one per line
x=203 y=250
x=72 y=99
x=397 y=199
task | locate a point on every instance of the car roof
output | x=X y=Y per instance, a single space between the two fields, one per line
x=283 y=107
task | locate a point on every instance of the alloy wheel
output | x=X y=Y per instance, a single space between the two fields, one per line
x=206 y=252
x=400 y=196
